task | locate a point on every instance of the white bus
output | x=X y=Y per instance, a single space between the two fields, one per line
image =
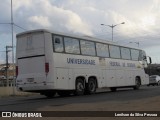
x=52 y=62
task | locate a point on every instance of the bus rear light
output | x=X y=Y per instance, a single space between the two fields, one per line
x=46 y=67
x=16 y=71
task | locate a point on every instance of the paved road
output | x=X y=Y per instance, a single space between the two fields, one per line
x=32 y=103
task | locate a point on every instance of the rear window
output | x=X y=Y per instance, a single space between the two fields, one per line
x=30 y=44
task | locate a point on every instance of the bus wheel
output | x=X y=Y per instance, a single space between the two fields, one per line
x=113 y=89
x=49 y=94
x=91 y=86
x=64 y=93
x=79 y=87
x=137 y=84
x=158 y=84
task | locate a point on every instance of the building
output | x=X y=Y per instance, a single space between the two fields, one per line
x=7 y=75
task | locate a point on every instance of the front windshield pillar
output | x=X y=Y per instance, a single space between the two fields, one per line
x=143 y=59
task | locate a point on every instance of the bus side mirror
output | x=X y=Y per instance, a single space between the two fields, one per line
x=150 y=60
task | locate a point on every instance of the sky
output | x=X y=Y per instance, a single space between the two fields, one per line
x=84 y=18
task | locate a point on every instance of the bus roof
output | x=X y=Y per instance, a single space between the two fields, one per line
x=90 y=38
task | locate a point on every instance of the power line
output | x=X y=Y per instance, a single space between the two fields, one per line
x=5 y=23
x=15 y=25
x=19 y=26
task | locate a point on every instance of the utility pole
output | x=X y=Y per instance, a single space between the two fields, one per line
x=135 y=43
x=12 y=24
x=12 y=29
x=7 y=65
x=112 y=26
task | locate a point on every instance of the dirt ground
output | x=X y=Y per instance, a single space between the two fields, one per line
x=150 y=104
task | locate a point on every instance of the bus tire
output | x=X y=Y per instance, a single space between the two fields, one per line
x=91 y=86
x=113 y=89
x=158 y=84
x=80 y=87
x=137 y=84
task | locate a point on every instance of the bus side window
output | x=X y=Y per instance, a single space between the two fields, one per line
x=114 y=51
x=58 y=44
x=71 y=45
x=135 y=54
x=102 y=50
x=87 y=48
x=125 y=53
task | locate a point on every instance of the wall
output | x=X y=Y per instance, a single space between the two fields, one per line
x=7 y=91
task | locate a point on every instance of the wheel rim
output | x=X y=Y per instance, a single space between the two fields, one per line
x=92 y=86
x=158 y=83
x=137 y=83
x=80 y=87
